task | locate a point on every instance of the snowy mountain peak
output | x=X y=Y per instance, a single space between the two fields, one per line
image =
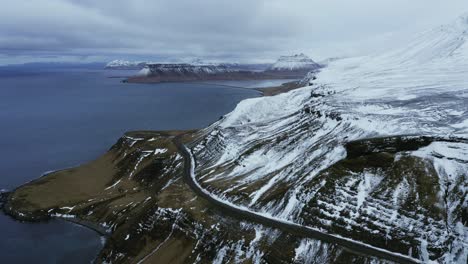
x=294 y=62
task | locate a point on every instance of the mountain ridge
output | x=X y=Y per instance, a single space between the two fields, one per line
x=291 y=148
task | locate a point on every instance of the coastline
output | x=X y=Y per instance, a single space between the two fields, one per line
x=66 y=169
x=42 y=215
x=87 y=224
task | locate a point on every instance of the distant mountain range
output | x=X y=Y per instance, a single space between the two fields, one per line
x=286 y=67
x=284 y=63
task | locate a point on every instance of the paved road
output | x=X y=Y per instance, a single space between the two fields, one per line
x=295 y=229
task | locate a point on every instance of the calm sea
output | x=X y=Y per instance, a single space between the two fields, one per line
x=53 y=119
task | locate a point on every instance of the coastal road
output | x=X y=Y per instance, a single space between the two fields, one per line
x=288 y=227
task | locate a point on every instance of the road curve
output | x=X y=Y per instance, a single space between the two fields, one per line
x=291 y=228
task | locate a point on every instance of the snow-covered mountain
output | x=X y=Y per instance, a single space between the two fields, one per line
x=306 y=157
x=125 y=65
x=294 y=62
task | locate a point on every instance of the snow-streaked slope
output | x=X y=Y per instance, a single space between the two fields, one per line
x=436 y=61
x=294 y=62
x=271 y=154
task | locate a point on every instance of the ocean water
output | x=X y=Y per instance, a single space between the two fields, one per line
x=53 y=119
x=253 y=83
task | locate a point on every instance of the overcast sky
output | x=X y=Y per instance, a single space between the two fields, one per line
x=241 y=30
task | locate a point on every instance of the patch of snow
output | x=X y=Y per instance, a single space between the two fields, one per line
x=63 y=215
x=113 y=185
x=160 y=151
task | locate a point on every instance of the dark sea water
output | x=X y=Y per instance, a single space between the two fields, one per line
x=253 y=83
x=53 y=119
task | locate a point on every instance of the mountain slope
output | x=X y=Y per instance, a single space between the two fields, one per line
x=288 y=156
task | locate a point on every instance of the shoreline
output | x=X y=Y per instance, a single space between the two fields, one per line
x=44 y=216
x=87 y=224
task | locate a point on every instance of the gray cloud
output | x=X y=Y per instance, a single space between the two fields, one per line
x=215 y=29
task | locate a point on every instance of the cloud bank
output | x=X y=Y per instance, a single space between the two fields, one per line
x=242 y=30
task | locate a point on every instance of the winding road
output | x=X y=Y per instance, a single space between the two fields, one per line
x=283 y=225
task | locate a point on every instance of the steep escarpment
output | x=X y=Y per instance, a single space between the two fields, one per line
x=288 y=156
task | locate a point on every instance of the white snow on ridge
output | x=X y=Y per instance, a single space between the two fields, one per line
x=412 y=90
x=434 y=62
x=272 y=141
x=272 y=217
